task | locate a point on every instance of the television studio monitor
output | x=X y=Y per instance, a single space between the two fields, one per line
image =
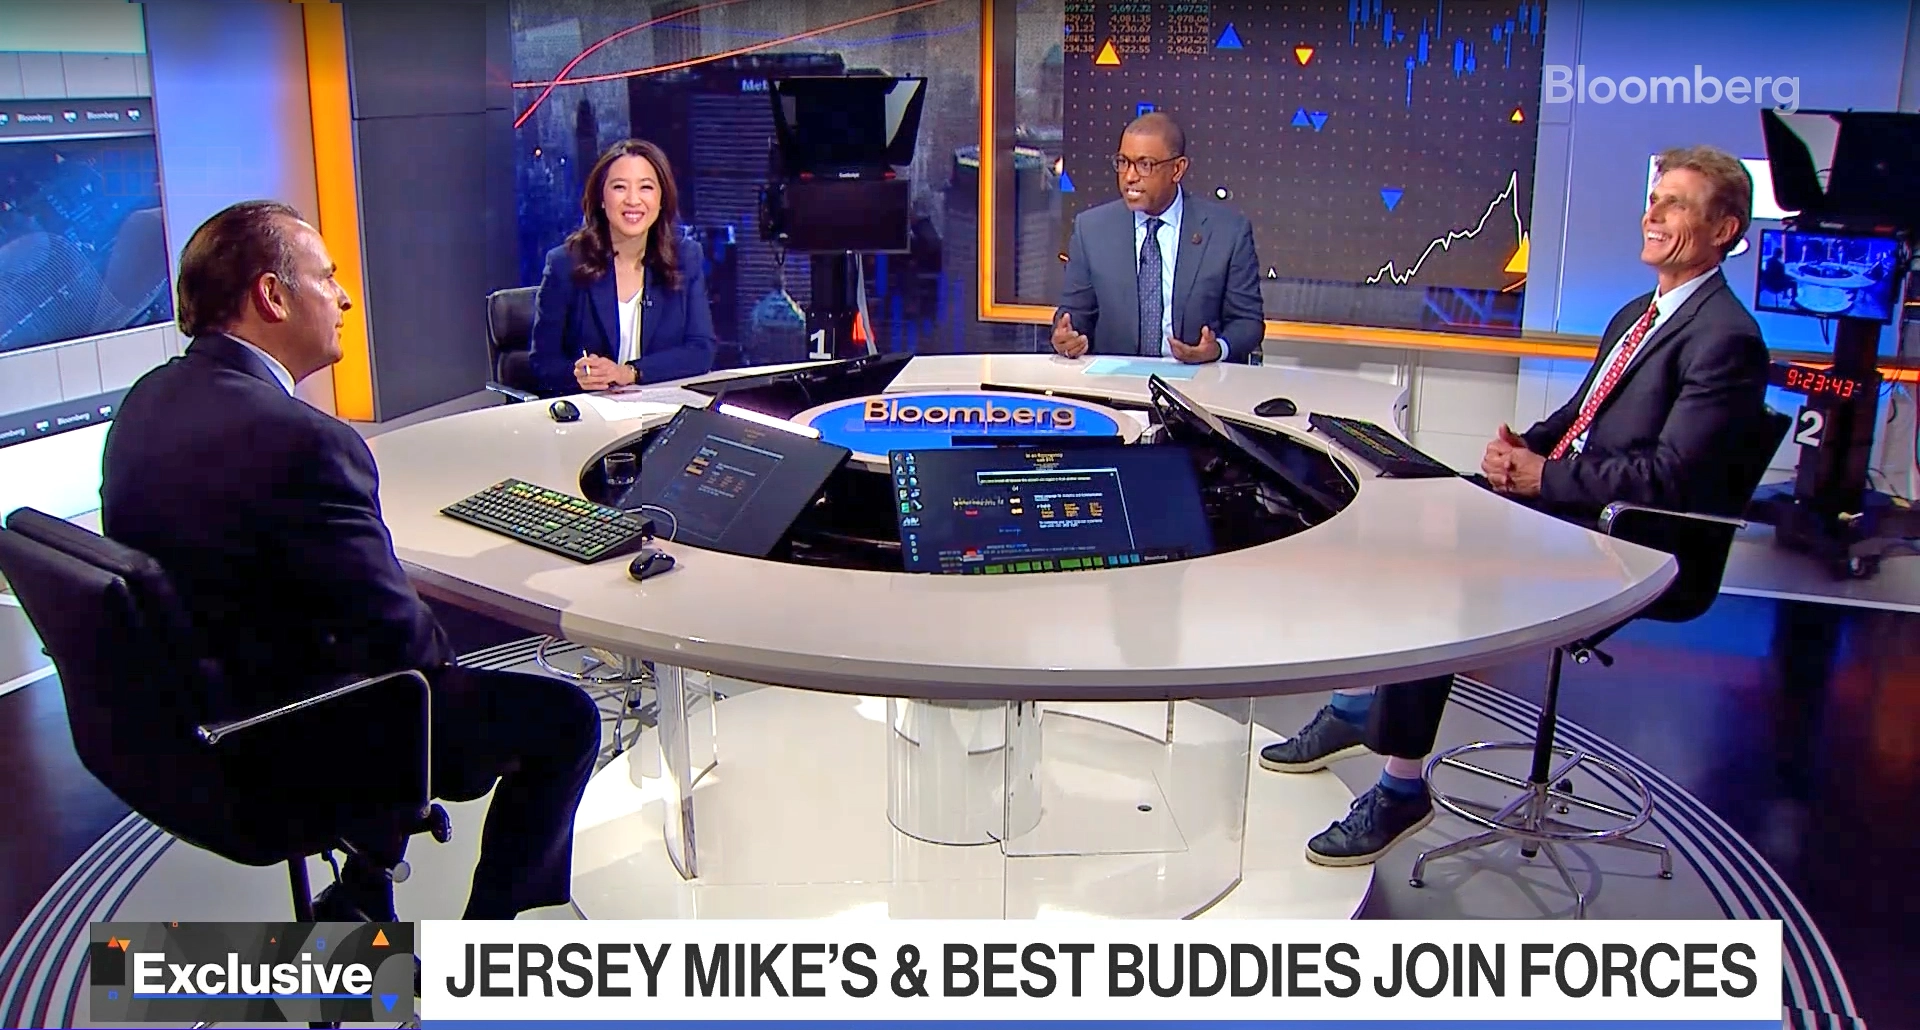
x=1005 y=510
x=1860 y=167
x=729 y=484
x=830 y=126
x=1829 y=275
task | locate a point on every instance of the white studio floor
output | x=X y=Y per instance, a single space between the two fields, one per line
x=792 y=824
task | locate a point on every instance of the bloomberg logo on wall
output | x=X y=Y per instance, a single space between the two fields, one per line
x=876 y=425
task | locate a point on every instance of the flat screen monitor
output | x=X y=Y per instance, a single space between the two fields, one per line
x=1189 y=422
x=827 y=124
x=790 y=392
x=1004 y=510
x=729 y=484
x=1829 y=275
x=867 y=216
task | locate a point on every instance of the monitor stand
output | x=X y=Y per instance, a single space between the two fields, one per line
x=1831 y=512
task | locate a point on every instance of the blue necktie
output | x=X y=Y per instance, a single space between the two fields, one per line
x=1150 y=307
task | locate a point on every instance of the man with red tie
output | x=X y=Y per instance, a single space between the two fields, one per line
x=1679 y=383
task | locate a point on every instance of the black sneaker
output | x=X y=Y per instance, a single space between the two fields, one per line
x=1378 y=820
x=1323 y=741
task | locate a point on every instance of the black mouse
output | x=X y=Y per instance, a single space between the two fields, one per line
x=649 y=563
x=564 y=411
x=1275 y=407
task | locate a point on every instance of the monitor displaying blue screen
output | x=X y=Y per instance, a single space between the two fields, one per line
x=1827 y=275
x=1011 y=510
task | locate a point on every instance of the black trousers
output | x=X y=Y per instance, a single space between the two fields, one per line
x=1405 y=717
x=537 y=737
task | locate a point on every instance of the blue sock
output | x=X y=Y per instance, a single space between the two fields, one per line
x=1353 y=708
x=1401 y=787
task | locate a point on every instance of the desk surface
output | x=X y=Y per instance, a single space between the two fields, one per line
x=1415 y=577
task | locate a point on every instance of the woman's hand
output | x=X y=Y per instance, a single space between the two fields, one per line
x=594 y=372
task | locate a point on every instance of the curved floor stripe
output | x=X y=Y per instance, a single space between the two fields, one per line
x=46 y=958
x=1814 y=979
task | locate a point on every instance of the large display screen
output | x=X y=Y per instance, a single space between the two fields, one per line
x=83 y=247
x=86 y=297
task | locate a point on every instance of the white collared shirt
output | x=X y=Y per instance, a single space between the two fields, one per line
x=280 y=373
x=1169 y=239
x=630 y=327
x=1664 y=304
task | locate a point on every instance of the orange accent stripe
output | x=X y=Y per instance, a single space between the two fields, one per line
x=339 y=190
x=984 y=244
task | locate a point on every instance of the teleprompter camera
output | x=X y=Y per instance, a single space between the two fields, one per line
x=1852 y=179
x=834 y=190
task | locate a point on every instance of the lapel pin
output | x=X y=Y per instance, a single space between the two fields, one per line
x=1196 y=239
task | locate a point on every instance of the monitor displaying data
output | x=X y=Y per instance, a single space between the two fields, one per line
x=728 y=484
x=1014 y=510
x=1826 y=275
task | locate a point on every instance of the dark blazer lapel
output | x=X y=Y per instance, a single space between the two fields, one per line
x=1186 y=267
x=1123 y=332
x=605 y=295
x=648 y=320
x=1614 y=331
x=1663 y=335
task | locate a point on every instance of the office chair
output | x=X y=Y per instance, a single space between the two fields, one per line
x=148 y=715
x=510 y=343
x=1700 y=544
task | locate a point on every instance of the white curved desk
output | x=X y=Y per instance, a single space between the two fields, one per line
x=1413 y=578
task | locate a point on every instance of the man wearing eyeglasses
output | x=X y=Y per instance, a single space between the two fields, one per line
x=1160 y=273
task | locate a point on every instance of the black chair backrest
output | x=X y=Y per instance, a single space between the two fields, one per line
x=136 y=685
x=510 y=319
x=1701 y=547
x=510 y=336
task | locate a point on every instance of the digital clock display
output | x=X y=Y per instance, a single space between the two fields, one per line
x=1815 y=382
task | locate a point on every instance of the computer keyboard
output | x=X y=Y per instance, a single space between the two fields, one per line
x=553 y=521
x=1393 y=456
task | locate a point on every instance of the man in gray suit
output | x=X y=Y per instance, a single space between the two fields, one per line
x=1160 y=272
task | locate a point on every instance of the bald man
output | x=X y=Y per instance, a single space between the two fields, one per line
x=1159 y=272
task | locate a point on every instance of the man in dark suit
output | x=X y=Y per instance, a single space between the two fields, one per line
x=1674 y=397
x=1160 y=272
x=265 y=513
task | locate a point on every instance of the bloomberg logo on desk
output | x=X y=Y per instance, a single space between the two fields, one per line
x=896 y=422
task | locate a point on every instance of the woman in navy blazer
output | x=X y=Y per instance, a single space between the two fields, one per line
x=624 y=299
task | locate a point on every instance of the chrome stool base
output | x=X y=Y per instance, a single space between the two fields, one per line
x=603 y=674
x=1529 y=817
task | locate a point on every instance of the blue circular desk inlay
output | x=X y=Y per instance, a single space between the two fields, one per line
x=908 y=421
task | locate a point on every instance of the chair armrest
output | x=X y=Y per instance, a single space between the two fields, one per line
x=215 y=733
x=1611 y=514
x=510 y=393
x=343 y=755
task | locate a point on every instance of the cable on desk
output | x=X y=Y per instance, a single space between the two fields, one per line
x=676 y=522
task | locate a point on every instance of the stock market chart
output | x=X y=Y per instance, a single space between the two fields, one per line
x=1379 y=146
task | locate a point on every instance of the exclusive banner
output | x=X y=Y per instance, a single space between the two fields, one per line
x=1326 y=972
x=250 y=974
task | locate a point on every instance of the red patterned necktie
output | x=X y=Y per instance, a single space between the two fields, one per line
x=1607 y=382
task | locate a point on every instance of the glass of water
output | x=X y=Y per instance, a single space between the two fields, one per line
x=621 y=469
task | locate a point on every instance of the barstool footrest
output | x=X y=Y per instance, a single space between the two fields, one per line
x=1527 y=819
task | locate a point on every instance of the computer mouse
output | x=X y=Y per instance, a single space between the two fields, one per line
x=564 y=411
x=1275 y=407
x=650 y=563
